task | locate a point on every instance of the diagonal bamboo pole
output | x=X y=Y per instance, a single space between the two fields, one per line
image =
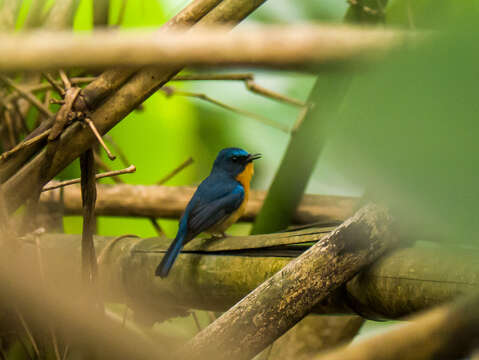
x=285 y=298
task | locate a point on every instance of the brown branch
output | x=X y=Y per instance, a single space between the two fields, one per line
x=170 y=202
x=45 y=86
x=254 y=87
x=121 y=13
x=54 y=84
x=99 y=138
x=102 y=165
x=265 y=46
x=24 y=144
x=447 y=332
x=248 y=80
x=117 y=149
x=129 y=170
x=214 y=77
x=67 y=84
x=101 y=9
x=285 y=298
x=169 y=91
x=41 y=270
x=28 y=332
x=27 y=96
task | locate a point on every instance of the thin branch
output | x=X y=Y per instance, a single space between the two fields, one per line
x=46 y=86
x=54 y=84
x=156 y=226
x=121 y=13
x=99 y=138
x=28 y=332
x=27 y=96
x=101 y=9
x=66 y=81
x=129 y=170
x=65 y=352
x=215 y=77
x=102 y=165
x=252 y=86
x=195 y=318
x=117 y=149
x=41 y=269
x=9 y=125
x=24 y=144
x=169 y=91
x=248 y=80
x=292 y=46
x=175 y=171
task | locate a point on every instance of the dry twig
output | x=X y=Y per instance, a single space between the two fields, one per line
x=248 y=80
x=27 y=96
x=99 y=138
x=169 y=91
x=24 y=144
x=129 y=170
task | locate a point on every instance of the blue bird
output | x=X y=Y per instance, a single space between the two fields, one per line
x=218 y=203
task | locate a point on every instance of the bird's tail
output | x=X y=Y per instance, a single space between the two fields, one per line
x=169 y=259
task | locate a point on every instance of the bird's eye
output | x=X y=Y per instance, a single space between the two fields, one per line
x=234 y=158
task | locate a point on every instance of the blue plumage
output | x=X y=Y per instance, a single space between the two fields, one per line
x=217 y=198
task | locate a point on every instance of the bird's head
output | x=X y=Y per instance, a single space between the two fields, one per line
x=234 y=160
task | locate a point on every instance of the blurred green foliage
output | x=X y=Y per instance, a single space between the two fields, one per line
x=409 y=131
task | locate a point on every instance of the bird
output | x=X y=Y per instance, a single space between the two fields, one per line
x=218 y=202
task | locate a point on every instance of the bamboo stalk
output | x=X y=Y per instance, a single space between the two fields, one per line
x=286 y=297
x=400 y=283
x=170 y=201
x=263 y=46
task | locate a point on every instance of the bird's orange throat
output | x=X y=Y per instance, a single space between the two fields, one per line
x=245 y=177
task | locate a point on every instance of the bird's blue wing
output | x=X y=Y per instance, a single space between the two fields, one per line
x=206 y=214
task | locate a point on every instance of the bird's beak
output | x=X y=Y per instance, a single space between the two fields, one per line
x=252 y=157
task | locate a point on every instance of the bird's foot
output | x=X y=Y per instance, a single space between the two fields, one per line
x=217 y=236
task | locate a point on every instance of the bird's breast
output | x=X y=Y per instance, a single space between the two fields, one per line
x=244 y=179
